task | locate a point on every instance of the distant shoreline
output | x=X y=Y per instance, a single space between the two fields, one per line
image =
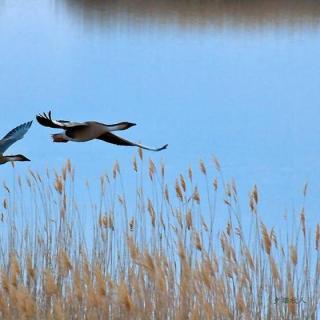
x=186 y=13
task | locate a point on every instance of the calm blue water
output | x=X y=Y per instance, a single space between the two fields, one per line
x=247 y=93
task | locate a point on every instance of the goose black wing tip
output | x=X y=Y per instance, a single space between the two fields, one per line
x=163 y=147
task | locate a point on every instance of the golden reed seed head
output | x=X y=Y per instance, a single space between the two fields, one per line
x=190 y=174
x=149 y=263
x=196 y=195
x=274 y=271
x=58 y=184
x=303 y=222
x=5 y=283
x=305 y=189
x=162 y=169
x=132 y=224
x=203 y=223
x=183 y=183
x=50 y=285
x=124 y=297
x=115 y=169
x=203 y=168
x=215 y=184
x=152 y=169
x=100 y=281
x=30 y=269
x=140 y=154
x=106 y=221
x=151 y=212
x=166 y=193
x=64 y=173
x=134 y=164
x=197 y=241
x=178 y=191
x=69 y=166
x=6 y=187
x=133 y=249
x=240 y=302
x=266 y=239
x=216 y=164
x=64 y=263
x=293 y=255
x=5 y=203
x=189 y=220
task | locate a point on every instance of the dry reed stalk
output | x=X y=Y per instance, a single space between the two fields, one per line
x=303 y=222
x=317 y=237
x=292 y=306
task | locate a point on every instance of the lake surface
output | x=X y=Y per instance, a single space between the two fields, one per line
x=240 y=81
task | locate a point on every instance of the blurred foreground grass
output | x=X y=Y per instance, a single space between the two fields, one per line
x=162 y=259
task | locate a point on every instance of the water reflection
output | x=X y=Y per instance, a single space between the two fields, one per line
x=185 y=13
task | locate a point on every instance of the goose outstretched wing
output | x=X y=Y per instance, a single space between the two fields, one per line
x=14 y=135
x=112 y=138
x=46 y=120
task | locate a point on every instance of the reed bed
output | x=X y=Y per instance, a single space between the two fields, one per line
x=161 y=256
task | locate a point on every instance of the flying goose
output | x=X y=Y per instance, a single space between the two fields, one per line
x=89 y=130
x=9 y=139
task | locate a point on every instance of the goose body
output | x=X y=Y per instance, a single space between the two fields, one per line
x=89 y=130
x=10 y=138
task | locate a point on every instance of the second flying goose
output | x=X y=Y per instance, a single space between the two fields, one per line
x=89 y=130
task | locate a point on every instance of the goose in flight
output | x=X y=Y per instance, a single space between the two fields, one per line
x=89 y=130
x=9 y=139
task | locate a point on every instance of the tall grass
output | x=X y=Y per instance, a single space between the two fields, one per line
x=162 y=257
